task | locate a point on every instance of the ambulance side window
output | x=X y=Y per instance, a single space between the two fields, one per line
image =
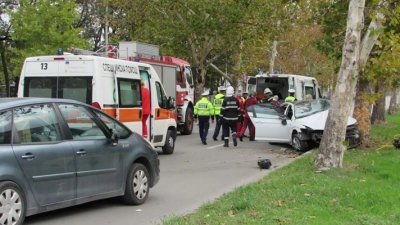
x=129 y=93
x=161 y=97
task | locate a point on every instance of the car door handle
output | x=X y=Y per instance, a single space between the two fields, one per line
x=81 y=152
x=28 y=156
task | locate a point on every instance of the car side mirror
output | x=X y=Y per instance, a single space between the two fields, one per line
x=283 y=120
x=114 y=137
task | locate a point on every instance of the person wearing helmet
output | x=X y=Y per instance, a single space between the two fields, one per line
x=291 y=97
x=267 y=96
x=230 y=113
x=217 y=104
x=204 y=110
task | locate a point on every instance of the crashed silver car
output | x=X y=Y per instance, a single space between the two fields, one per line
x=300 y=124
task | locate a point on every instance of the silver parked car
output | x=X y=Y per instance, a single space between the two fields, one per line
x=56 y=153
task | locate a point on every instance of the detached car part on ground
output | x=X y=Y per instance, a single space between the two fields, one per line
x=56 y=153
x=300 y=124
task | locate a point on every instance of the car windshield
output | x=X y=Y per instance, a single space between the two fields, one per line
x=306 y=108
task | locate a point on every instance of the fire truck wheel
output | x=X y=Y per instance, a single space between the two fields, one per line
x=188 y=126
x=169 y=146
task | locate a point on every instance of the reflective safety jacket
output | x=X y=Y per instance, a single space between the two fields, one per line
x=217 y=103
x=290 y=99
x=204 y=108
x=230 y=108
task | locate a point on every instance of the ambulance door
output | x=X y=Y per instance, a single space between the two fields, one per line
x=145 y=77
x=162 y=116
x=130 y=103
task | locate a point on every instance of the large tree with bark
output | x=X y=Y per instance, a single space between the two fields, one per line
x=331 y=149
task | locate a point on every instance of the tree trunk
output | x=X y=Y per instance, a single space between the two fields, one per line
x=378 y=113
x=4 y=63
x=362 y=112
x=331 y=149
x=393 y=102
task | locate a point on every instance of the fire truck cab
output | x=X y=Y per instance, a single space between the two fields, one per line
x=175 y=74
x=113 y=85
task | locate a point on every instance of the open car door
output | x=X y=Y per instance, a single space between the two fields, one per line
x=270 y=123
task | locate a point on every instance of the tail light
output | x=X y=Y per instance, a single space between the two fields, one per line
x=96 y=105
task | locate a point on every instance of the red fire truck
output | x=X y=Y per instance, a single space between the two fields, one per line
x=174 y=73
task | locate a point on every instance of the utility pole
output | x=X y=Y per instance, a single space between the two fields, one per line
x=274 y=53
x=106 y=28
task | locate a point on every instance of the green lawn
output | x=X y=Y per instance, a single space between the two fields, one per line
x=365 y=191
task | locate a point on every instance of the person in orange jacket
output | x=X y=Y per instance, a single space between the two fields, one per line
x=146 y=108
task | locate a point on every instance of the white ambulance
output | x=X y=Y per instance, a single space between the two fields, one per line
x=280 y=84
x=112 y=85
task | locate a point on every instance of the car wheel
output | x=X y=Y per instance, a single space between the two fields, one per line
x=169 y=145
x=298 y=144
x=137 y=185
x=12 y=204
x=188 y=126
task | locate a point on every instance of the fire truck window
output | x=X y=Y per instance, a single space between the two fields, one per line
x=76 y=88
x=179 y=75
x=40 y=87
x=129 y=93
x=188 y=74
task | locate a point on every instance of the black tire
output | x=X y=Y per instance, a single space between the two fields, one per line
x=137 y=185
x=298 y=144
x=187 y=127
x=169 y=145
x=16 y=203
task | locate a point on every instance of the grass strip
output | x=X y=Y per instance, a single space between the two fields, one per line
x=365 y=191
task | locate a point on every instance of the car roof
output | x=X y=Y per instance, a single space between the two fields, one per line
x=6 y=103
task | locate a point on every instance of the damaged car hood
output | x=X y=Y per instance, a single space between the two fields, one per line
x=317 y=121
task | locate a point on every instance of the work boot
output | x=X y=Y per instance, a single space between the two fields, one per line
x=215 y=139
x=204 y=142
x=226 y=143
x=241 y=138
x=234 y=140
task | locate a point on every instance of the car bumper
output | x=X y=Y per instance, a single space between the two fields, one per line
x=352 y=136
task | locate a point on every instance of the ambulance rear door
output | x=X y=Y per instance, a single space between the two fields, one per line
x=57 y=77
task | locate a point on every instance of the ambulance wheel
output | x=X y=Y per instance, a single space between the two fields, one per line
x=169 y=145
x=188 y=125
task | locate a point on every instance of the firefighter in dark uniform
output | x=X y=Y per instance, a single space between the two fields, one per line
x=230 y=114
x=204 y=110
x=217 y=103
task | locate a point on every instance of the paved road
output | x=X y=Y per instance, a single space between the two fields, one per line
x=193 y=175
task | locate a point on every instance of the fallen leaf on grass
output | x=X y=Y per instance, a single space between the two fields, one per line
x=253 y=213
x=307 y=194
x=334 y=201
x=280 y=203
x=231 y=214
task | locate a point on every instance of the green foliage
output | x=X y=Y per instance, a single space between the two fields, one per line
x=41 y=27
x=364 y=191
